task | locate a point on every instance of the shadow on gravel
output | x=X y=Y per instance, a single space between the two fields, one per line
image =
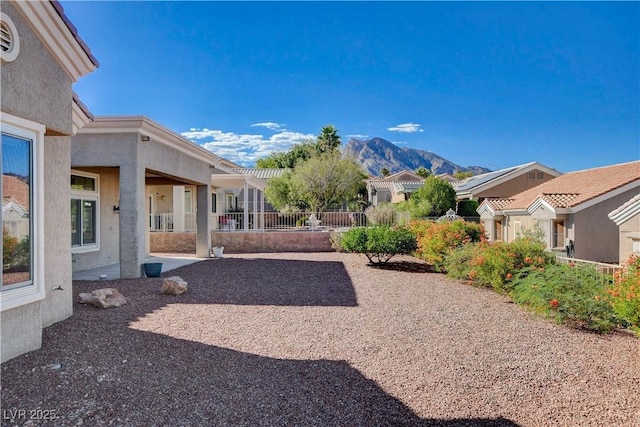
x=151 y=379
x=405 y=266
x=267 y=282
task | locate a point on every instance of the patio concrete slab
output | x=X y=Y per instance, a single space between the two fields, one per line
x=169 y=262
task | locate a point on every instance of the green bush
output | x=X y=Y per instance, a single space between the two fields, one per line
x=380 y=243
x=336 y=240
x=457 y=263
x=437 y=240
x=468 y=208
x=575 y=296
x=624 y=294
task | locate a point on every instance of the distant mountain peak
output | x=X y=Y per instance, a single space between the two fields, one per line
x=377 y=153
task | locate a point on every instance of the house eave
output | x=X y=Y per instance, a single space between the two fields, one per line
x=625 y=214
x=57 y=34
x=613 y=193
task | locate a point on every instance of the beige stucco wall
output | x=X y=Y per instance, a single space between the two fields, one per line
x=134 y=157
x=35 y=87
x=109 y=222
x=629 y=231
x=515 y=224
x=597 y=238
x=513 y=186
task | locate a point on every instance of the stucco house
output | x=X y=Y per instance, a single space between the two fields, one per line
x=504 y=182
x=571 y=210
x=627 y=218
x=133 y=181
x=42 y=56
x=393 y=188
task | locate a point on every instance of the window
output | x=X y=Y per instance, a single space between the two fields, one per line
x=517 y=229
x=9 y=41
x=84 y=212
x=558 y=234
x=497 y=230
x=537 y=175
x=214 y=202
x=22 y=213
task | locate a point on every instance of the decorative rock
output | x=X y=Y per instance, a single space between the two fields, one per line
x=103 y=298
x=173 y=286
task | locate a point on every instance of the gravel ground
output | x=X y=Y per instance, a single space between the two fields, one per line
x=283 y=339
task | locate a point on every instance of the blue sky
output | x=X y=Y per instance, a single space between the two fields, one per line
x=494 y=84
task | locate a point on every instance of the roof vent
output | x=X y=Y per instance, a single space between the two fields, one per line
x=9 y=41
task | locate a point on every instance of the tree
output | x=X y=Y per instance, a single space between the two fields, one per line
x=328 y=140
x=385 y=172
x=327 y=180
x=288 y=159
x=436 y=194
x=463 y=174
x=281 y=194
x=423 y=172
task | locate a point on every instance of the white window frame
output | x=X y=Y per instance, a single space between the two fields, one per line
x=188 y=205
x=35 y=291
x=93 y=196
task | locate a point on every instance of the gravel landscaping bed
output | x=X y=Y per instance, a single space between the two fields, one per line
x=318 y=339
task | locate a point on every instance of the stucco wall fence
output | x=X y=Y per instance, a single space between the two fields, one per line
x=271 y=241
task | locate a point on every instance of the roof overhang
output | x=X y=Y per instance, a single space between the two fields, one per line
x=80 y=114
x=237 y=180
x=59 y=36
x=630 y=209
x=606 y=196
x=148 y=128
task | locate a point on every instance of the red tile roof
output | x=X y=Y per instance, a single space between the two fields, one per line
x=575 y=188
x=60 y=10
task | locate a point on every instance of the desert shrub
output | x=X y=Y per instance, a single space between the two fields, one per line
x=624 y=294
x=437 y=240
x=302 y=221
x=336 y=240
x=457 y=263
x=383 y=214
x=573 y=295
x=379 y=243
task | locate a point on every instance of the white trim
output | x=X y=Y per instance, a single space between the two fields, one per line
x=606 y=196
x=540 y=203
x=93 y=196
x=623 y=215
x=17 y=297
x=78 y=118
x=14 y=49
x=56 y=37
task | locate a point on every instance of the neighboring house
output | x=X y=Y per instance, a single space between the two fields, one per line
x=263 y=175
x=504 y=182
x=627 y=218
x=393 y=188
x=572 y=208
x=130 y=177
x=42 y=56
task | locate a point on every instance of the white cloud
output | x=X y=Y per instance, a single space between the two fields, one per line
x=269 y=125
x=407 y=128
x=358 y=136
x=244 y=149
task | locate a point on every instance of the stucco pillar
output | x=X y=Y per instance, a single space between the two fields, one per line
x=255 y=208
x=133 y=220
x=245 y=201
x=203 y=230
x=178 y=208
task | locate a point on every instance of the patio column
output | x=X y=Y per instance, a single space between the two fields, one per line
x=203 y=230
x=178 y=208
x=255 y=208
x=262 y=209
x=245 y=202
x=134 y=229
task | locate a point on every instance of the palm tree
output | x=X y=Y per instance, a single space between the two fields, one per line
x=328 y=140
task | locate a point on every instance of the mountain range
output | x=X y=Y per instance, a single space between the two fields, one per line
x=377 y=153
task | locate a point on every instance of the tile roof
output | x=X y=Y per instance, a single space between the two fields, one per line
x=497 y=204
x=574 y=188
x=60 y=11
x=261 y=173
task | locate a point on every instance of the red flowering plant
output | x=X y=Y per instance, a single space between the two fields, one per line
x=624 y=294
x=437 y=239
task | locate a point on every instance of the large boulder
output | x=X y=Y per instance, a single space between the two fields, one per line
x=173 y=286
x=103 y=298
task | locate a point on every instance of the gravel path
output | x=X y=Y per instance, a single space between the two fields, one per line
x=282 y=339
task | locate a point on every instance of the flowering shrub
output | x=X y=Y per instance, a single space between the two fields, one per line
x=575 y=296
x=379 y=243
x=624 y=294
x=437 y=240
